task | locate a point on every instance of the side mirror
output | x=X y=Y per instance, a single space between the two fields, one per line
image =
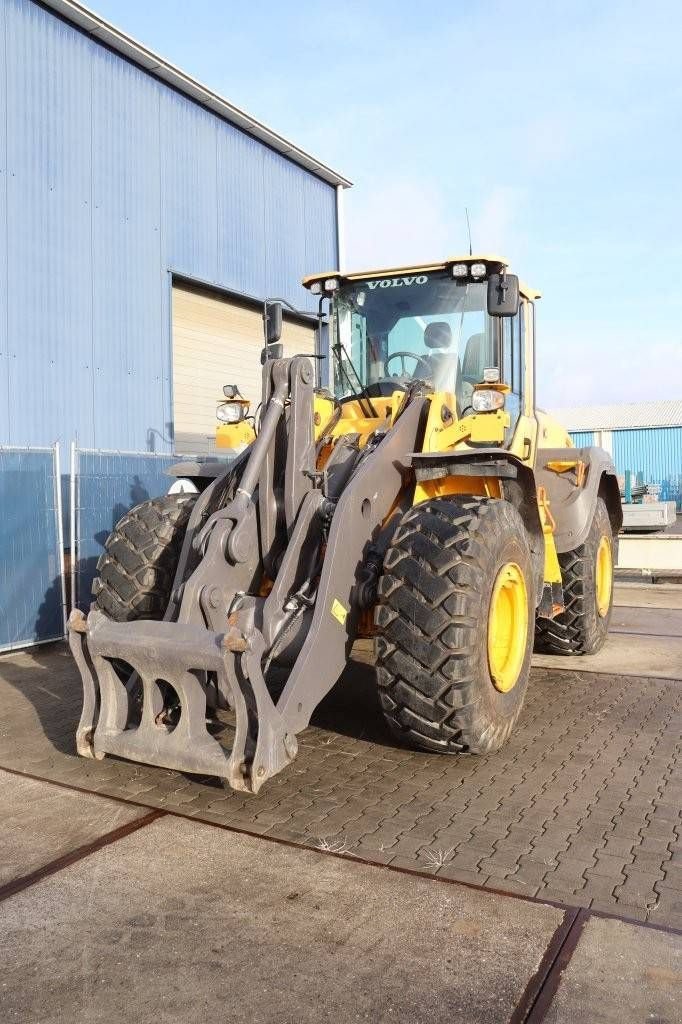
x=231 y=391
x=503 y=295
x=272 y=322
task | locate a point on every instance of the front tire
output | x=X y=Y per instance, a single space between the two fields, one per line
x=455 y=625
x=587 y=580
x=137 y=568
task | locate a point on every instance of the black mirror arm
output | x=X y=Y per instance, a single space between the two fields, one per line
x=281 y=302
x=299 y=312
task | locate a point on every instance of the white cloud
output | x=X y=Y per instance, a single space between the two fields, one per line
x=403 y=222
x=497 y=226
x=400 y=222
x=589 y=364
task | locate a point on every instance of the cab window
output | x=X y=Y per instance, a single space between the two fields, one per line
x=513 y=343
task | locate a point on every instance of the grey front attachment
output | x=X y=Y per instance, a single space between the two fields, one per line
x=275 y=518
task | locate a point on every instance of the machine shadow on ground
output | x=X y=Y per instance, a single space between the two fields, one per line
x=350 y=710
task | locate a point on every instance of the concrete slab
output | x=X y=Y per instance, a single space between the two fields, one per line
x=620 y=972
x=647 y=621
x=182 y=921
x=625 y=654
x=647 y=595
x=653 y=552
x=41 y=822
x=586 y=790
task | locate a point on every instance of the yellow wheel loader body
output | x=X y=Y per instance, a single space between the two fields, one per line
x=422 y=500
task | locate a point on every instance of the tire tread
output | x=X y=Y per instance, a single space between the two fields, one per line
x=137 y=567
x=429 y=625
x=572 y=632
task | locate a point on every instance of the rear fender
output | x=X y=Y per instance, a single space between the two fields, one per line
x=573 y=493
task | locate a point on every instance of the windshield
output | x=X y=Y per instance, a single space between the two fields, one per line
x=390 y=331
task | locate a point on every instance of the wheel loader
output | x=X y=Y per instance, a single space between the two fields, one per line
x=422 y=501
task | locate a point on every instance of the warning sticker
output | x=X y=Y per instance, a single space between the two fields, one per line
x=339 y=612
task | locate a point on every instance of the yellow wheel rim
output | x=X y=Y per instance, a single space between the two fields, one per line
x=604 y=576
x=507 y=627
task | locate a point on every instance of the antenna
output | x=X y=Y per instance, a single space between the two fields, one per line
x=466 y=211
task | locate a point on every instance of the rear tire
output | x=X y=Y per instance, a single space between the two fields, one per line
x=435 y=597
x=137 y=568
x=583 y=627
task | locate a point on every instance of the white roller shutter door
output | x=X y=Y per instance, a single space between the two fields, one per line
x=217 y=341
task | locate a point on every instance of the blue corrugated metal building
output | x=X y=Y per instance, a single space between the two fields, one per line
x=117 y=174
x=643 y=437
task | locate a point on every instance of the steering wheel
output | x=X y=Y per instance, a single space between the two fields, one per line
x=402 y=356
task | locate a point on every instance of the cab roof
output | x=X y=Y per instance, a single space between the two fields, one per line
x=493 y=263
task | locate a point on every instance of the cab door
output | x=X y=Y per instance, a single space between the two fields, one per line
x=517 y=372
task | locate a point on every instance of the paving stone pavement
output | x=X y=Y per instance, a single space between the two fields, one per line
x=582 y=806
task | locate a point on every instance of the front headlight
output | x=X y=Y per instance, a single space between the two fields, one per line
x=487 y=400
x=230 y=412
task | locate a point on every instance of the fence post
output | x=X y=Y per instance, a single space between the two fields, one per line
x=60 y=527
x=72 y=523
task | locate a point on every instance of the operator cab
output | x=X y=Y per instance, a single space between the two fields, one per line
x=431 y=324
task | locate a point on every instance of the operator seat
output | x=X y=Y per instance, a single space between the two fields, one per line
x=473 y=359
x=444 y=365
x=473 y=362
x=438 y=335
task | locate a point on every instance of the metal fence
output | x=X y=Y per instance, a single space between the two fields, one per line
x=32 y=592
x=653 y=454
x=104 y=486
x=582 y=438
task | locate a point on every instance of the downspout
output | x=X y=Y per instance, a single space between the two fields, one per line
x=340 y=231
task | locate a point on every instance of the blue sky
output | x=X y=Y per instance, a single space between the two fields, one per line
x=558 y=124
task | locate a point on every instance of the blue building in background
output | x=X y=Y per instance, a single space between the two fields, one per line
x=120 y=177
x=643 y=437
